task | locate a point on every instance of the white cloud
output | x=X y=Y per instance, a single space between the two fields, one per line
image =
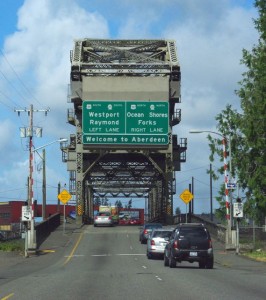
x=210 y=36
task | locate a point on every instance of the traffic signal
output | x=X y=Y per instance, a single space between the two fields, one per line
x=238 y=200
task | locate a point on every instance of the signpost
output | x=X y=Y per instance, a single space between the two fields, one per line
x=64 y=197
x=125 y=122
x=186 y=196
x=26 y=214
x=238 y=213
x=231 y=185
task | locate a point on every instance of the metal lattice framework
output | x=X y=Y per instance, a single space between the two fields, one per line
x=124 y=171
x=120 y=57
x=115 y=176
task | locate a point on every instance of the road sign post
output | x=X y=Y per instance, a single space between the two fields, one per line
x=186 y=196
x=64 y=197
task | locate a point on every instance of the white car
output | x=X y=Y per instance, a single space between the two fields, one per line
x=157 y=241
x=103 y=219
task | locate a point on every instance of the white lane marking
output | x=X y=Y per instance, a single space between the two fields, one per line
x=158 y=278
x=144 y=267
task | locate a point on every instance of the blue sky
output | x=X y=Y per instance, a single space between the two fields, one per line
x=37 y=35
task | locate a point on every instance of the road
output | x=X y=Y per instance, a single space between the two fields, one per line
x=110 y=263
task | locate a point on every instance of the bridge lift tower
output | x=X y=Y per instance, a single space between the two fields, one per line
x=125 y=95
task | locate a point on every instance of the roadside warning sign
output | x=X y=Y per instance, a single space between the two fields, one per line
x=186 y=196
x=64 y=196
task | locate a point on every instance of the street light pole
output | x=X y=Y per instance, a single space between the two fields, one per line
x=227 y=204
x=211 y=212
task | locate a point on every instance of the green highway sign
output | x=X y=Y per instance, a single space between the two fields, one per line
x=125 y=122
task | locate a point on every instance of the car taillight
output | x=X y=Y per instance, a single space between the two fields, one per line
x=176 y=244
x=210 y=243
x=145 y=231
x=152 y=243
x=95 y=218
x=110 y=218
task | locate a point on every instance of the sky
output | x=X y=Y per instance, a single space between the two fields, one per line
x=36 y=37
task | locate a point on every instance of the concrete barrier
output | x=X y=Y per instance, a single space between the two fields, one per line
x=44 y=229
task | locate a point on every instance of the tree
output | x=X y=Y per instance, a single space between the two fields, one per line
x=105 y=201
x=129 y=205
x=118 y=204
x=247 y=130
x=97 y=201
x=177 y=211
x=252 y=94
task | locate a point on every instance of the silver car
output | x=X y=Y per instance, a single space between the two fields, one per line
x=157 y=242
x=103 y=219
x=146 y=230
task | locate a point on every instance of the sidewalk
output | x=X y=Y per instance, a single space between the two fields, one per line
x=59 y=237
x=229 y=258
x=56 y=240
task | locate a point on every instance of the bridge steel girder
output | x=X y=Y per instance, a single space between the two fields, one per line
x=126 y=70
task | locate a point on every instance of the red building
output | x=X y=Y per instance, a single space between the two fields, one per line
x=10 y=212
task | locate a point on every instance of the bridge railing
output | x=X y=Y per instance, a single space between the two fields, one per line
x=44 y=229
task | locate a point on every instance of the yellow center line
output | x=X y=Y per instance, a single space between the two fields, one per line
x=74 y=249
x=8 y=296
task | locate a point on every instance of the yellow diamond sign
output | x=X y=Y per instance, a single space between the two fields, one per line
x=186 y=196
x=64 y=196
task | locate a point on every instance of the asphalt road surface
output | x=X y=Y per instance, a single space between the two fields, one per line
x=110 y=263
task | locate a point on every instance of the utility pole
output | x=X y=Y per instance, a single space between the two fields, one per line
x=211 y=211
x=58 y=192
x=29 y=132
x=192 y=192
x=43 y=185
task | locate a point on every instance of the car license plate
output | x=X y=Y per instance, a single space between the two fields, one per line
x=193 y=254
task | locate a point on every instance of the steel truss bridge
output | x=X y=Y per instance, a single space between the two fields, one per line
x=138 y=71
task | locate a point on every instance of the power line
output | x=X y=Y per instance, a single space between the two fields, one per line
x=19 y=79
x=13 y=86
x=9 y=100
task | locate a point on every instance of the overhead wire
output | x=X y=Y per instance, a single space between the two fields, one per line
x=9 y=100
x=13 y=86
x=20 y=81
x=18 y=77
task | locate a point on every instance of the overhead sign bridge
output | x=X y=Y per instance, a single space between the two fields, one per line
x=125 y=96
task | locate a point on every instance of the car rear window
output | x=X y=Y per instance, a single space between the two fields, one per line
x=193 y=232
x=162 y=234
x=151 y=226
x=104 y=214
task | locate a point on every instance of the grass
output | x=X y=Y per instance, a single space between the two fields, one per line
x=258 y=255
x=14 y=245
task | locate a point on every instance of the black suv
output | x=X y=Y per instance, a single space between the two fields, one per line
x=189 y=242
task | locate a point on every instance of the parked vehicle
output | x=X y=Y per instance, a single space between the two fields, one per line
x=146 y=230
x=103 y=219
x=189 y=242
x=157 y=242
